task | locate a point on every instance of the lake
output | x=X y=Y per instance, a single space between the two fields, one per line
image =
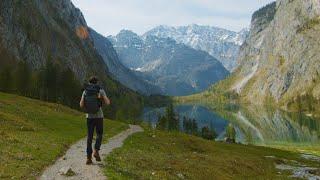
x=254 y=125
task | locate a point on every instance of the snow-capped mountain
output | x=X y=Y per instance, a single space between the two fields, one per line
x=174 y=67
x=220 y=43
x=119 y=72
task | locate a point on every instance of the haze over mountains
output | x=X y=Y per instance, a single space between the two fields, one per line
x=174 y=67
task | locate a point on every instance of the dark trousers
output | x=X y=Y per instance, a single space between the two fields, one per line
x=98 y=125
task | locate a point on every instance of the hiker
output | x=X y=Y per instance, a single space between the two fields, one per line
x=93 y=97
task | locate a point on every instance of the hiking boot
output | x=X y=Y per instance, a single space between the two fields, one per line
x=97 y=156
x=89 y=161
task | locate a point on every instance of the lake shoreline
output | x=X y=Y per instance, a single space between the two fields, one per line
x=261 y=126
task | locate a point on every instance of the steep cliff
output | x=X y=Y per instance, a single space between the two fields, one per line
x=36 y=31
x=279 y=61
x=41 y=31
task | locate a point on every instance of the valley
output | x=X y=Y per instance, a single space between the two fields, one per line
x=187 y=101
x=37 y=137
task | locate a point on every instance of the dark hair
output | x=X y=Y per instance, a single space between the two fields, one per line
x=93 y=80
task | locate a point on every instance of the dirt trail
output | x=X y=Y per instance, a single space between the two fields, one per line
x=74 y=159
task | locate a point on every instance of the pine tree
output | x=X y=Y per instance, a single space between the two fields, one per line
x=68 y=88
x=23 y=79
x=172 y=118
x=162 y=123
x=51 y=81
x=194 y=127
x=6 y=79
x=206 y=133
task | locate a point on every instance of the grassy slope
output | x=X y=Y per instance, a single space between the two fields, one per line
x=163 y=155
x=33 y=134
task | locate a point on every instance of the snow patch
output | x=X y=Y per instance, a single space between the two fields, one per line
x=150 y=66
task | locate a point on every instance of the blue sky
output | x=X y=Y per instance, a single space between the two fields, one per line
x=110 y=16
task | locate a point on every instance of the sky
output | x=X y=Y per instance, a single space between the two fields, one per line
x=108 y=17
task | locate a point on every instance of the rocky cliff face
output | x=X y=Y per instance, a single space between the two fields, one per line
x=176 y=68
x=36 y=31
x=220 y=43
x=117 y=69
x=280 y=58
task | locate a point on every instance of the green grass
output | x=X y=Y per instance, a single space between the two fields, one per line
x=33 y=134
x=163 y=155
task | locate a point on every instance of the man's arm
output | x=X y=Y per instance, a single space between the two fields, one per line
x=106 y=100
x=82 y=102
x=104 y=97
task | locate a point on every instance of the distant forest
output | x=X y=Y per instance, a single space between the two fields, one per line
x=53 y=83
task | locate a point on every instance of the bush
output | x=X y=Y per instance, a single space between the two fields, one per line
x=208 y=134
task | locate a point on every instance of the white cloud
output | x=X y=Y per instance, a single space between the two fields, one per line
x=110 y=16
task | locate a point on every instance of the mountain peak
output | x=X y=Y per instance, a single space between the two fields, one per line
x=125 y=32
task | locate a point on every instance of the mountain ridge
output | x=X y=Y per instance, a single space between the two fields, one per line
x=161 y=62
x=221 y=43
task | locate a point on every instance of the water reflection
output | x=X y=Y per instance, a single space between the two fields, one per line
x=203 y=117
x=262 y=125
x=252 y=124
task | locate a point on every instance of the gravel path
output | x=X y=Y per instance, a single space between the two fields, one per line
x=74 y=159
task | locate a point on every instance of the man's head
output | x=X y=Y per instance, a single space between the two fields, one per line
x=93 y=80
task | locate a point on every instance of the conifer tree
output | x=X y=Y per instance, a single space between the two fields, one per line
x=23 y=79
x=6 y=79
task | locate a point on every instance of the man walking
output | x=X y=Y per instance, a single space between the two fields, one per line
x=92 y=99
